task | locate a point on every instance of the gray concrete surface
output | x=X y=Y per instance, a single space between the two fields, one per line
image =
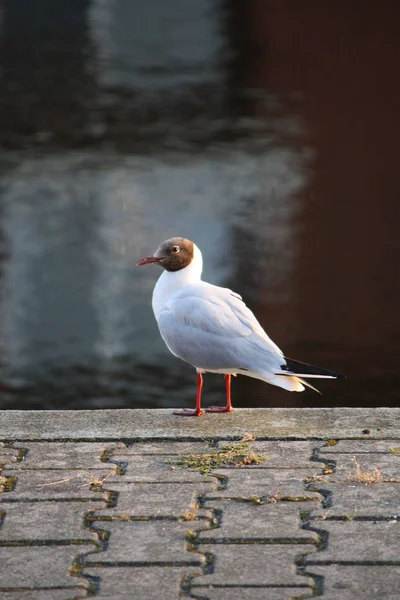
x=90 y=425
x=94 y=503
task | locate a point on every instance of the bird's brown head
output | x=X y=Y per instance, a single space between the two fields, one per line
x=173 y=254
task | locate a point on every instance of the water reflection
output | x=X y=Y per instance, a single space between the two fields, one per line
x=205 y=120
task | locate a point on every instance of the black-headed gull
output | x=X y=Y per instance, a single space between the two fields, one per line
x=211 y=328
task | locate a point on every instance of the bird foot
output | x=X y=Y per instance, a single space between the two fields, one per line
x=219 y=409
x=189 y=412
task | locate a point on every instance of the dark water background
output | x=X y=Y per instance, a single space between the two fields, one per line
x=267 y=131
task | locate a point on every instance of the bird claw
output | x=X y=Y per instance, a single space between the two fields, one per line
x=218 y=409
x=189 y=412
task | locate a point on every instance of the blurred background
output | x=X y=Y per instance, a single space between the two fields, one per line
x=265 y=130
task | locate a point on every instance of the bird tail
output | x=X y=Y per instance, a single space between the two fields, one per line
x=300 y=370
x=292 y=384
x=292 y=375
x=308 y=385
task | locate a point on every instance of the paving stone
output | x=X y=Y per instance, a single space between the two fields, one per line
x=283 y=454
x=144 y=583
x=65 y=455
x=166 y=447
x=39 y=566
x=248 y=521
x=154 y=541
x=63 y=594
x=257 y=483
x=46 y=521
x=359 y=446
x=372 y=501
x=254 y=564
x=156 y=468
x=362 y=541
x=263 y=593
x=52 y=485
x=359 y=582
x=156 y=499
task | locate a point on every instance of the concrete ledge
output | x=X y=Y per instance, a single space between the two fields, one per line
x=275 y=423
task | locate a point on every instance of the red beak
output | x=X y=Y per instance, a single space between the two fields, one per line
x=148 y=260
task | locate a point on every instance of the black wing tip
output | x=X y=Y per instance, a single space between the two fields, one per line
x=340 y=375
x=303 y=368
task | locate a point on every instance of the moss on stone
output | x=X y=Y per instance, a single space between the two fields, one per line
x=237 y=454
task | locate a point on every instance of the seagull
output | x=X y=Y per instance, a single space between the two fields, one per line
x=211 y=328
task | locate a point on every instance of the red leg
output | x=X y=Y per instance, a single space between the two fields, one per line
x=196 y=412
x=228 y=407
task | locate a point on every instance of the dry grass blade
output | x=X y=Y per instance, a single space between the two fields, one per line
x=367 y=478
x=97 y=481
x=54 y=482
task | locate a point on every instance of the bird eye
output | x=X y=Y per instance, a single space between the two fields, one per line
x=175 y=249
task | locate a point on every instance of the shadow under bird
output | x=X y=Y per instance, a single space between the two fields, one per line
x=211 y=328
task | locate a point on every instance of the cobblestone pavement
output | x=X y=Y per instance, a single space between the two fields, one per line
x=121 y=520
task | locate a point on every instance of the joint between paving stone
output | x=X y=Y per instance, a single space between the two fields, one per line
x=265 y=588
x=80 y=563
x=356 y=563
x=251 y=586
x=207 y=568
x=76 y=570
x=317 y=458
x=261 y=541
x=354 y=518
x=300 y=561
x=108 y=457
x=193 y=544
x=302 y=568
x=141 y=563
x=77 y=589
x=311 y=482
x=212 y=443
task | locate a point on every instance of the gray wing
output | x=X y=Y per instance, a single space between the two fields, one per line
x=212 y=329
